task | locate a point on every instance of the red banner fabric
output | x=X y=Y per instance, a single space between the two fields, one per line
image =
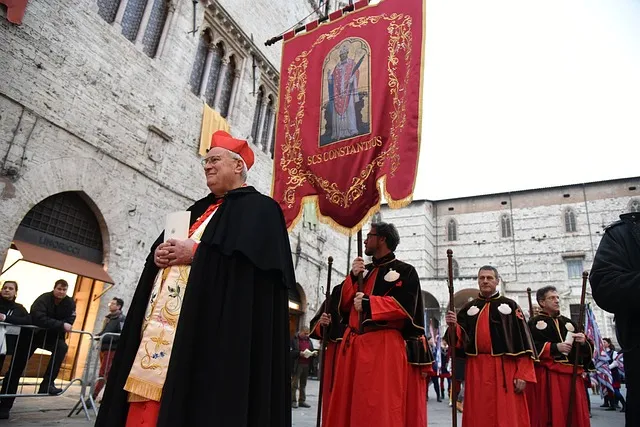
x=349 y=114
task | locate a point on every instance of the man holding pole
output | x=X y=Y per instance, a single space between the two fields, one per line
x=372 y=370
x=556 y=342
x=499 y=355
x=326 y=321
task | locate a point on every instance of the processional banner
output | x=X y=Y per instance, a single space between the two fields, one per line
x=349 y=113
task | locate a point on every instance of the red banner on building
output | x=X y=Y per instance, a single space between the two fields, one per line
x=349 y=113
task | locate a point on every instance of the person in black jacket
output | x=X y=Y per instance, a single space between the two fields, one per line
x=615 y=286
x=55 y=313
x=112 y=324
x=11 y=312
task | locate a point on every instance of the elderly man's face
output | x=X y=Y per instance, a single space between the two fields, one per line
x=221 y=170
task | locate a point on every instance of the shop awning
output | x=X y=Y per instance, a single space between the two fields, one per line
x=60 y=261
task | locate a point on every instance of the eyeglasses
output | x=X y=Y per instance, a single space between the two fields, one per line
x=552 y=298
x=209 y=161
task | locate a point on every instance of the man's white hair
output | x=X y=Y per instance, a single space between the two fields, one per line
x=236 y=156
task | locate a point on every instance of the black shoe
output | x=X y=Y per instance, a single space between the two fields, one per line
x=4 y=414
x=52 y=390
x=439 y=400
x=624 y=409
x=604 y=405
x=611 y=408
x=304 y=405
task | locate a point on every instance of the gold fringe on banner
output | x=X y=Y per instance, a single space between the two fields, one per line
x=393 y=204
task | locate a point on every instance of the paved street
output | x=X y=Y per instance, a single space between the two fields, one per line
x=51 y=411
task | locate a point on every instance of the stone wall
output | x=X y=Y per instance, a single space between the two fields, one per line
x=84 y=109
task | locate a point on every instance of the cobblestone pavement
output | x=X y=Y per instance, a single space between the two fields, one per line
x=52 y=411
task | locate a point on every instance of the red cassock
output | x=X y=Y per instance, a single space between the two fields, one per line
x=490 y=399
x=537 y=393
x=371 y=371
x=549 y=407
x=375 y=386
x=416 y=412
x=328 y=371
x=554 y=381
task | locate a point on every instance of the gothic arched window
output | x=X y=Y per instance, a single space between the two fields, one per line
x=452 y=230
x=108 y=9
x=570 y=221
x=132 y=18
x=455 y=268
x=227 y=86
x=256 y=115
x=505 y=226
x=217 y=53
x=153 y=32
x=266 y=128
x=197 y=72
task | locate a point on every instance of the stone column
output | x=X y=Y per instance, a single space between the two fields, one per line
x=269 y=141
x=221 y=77
x=261 y=125
x=234 y=88
x=119 y=14
x=207 y=70
x=165 y=29
x=143 y=24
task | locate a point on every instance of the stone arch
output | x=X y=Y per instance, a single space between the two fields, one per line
x=84 y=176
x=431 y=309
x=463 y=296
x=297 y=308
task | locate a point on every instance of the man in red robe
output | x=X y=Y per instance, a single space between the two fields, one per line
x=553 y=335
x=421 y=360
x=323 y=323
x=499 y=356
x=373 y=365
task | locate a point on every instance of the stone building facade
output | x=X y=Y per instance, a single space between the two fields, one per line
x=535 y=238
x=104 y=99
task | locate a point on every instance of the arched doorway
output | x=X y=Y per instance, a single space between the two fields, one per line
x=297 y=304
x=463 y=296
x=60 y=238
x=431 y=311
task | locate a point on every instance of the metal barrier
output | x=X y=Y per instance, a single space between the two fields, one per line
x=95 y=376
x=22 y=342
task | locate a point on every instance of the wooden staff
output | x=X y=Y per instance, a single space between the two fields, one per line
x=325 y=340
x=530 y=303
x=452 y=343
x=360 y=281
x=576 y=359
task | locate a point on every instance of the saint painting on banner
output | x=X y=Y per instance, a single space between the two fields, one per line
x=348 y=127
x=345 y=96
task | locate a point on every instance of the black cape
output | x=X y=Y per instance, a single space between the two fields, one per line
x=510 y=334
x=545 y=328
x=405 y=290
x=229 y=364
